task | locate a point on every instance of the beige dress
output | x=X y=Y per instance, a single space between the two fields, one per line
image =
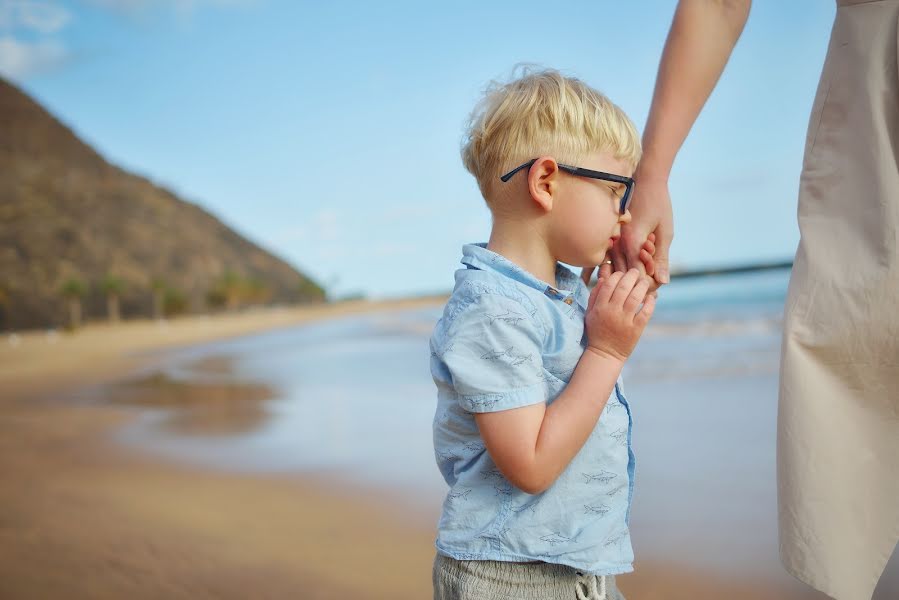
x=838 y=419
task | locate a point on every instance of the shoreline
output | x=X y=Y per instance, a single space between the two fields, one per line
x=42 y=363
x=88 y=517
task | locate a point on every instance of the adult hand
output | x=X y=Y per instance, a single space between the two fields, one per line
x=647 y=252
x=650 y=213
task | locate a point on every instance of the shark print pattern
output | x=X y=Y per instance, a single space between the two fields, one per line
x=496 y=354
x=513 y=359
x=492 y=473
x=615 y=540
x=485 y=402
x=473 y=446
x=502 y=488
x=620 y=436
x=596 y=509
x=556 y=538
x=601 y=477
x=445 y=456
x=519 y=359
x=459 y=495
x=447 y=349
x=531 y=506
x=512 y=318
x=613 y=405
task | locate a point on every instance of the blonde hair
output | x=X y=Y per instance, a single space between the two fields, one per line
x=543 y=112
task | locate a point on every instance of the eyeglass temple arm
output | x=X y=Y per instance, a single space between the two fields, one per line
x=508 y=175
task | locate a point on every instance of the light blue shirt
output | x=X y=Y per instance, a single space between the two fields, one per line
x=507 y=339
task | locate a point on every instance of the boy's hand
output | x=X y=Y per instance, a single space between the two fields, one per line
x=614 y=320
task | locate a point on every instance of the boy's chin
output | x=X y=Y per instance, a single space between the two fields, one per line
x=597 y=258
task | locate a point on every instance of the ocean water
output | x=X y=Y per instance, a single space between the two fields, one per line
x=354 y=395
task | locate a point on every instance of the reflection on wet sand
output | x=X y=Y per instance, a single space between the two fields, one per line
x=207 y=408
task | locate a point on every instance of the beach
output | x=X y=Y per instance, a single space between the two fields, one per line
x=91 y=512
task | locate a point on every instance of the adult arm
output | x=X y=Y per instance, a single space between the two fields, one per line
x=702 y=37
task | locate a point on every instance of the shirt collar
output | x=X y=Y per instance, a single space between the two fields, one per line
x=570 y=287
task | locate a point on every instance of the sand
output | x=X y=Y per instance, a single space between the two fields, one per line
x=83 y=517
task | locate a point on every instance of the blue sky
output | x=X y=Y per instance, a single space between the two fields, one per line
x=328 y=133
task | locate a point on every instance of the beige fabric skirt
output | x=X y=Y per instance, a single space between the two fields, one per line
x=838 y=418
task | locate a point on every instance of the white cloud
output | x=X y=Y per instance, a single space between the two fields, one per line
x=20 y=59
x=33 y=15
x=184 y=9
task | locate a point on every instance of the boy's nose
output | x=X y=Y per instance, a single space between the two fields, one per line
x=625 y=218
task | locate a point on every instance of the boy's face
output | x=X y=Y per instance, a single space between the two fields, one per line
x=584 y=221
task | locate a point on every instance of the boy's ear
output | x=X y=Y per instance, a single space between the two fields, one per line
x=543 y=181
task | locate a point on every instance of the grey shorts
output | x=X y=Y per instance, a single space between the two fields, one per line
x=498 y=580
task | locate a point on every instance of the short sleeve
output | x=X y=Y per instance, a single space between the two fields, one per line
x=493 y=353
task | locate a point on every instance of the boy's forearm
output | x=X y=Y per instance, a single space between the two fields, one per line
x=571 y=417
x=702 y=37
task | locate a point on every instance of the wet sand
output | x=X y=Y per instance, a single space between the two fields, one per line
x=83 y=517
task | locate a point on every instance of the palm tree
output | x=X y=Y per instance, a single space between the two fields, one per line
x=257 y=291
x=74 y=289
x=174 y=301
x=309 y=291
x=4 y=304
x=232 y=286
x=158 y=285
x=113 y=287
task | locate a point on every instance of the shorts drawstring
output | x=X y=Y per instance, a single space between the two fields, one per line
x=589 y=582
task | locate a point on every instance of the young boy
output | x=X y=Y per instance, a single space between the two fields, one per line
x=532 y=431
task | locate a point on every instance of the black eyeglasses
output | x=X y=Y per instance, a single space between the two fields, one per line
x=581 y=172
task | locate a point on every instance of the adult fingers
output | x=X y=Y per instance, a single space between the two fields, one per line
x=631 y=242
x=663 y=244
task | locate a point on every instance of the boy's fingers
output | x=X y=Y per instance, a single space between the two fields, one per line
x=649 y=247
x=635 y=298
x=649 y=306
x=624 y=287
x=619 y=262
x=605 y=269
x=648 y=263
x=608 y=287
x=651 y=237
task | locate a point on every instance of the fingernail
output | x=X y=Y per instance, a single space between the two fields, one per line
x=663 y=275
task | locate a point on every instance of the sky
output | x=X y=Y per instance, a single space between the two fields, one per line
x=328 y=133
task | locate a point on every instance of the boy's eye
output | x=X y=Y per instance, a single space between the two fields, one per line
x=617 y=190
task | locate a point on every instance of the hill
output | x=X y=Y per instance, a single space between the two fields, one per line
x=66 y=212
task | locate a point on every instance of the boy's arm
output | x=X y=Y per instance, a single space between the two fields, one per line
x=533 y=444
